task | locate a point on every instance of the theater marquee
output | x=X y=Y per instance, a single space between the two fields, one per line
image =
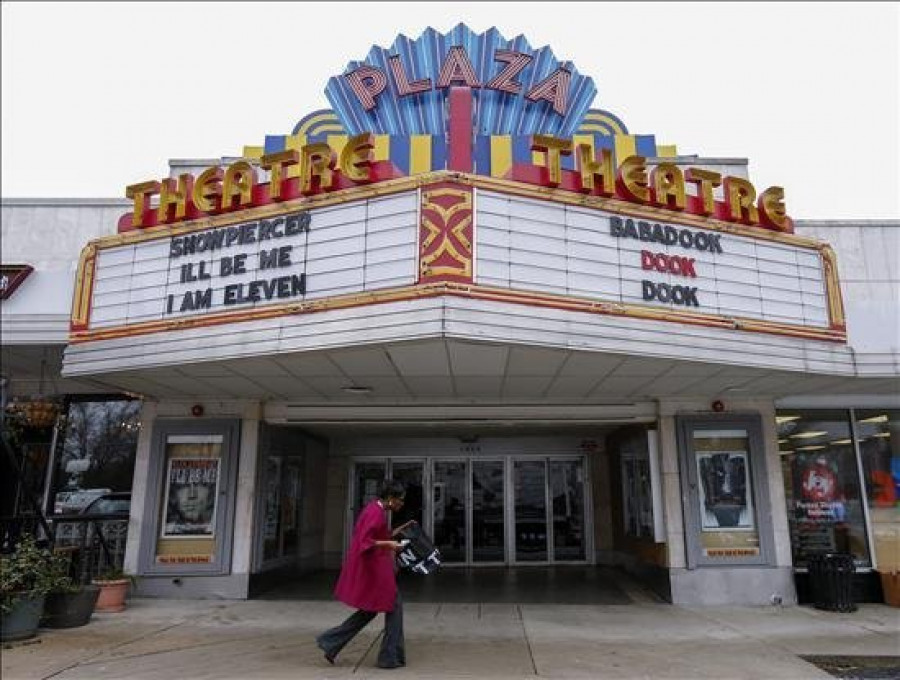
x=480 y=174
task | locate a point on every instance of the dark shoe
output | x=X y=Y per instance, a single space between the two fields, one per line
x=390 y=665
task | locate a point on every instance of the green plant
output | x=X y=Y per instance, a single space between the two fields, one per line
x=113 y=574
x=29 y=571
x=59 y=580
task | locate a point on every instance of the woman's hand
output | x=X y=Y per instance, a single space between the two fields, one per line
x=390 y=545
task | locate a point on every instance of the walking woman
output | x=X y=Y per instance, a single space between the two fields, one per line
x=368 y=581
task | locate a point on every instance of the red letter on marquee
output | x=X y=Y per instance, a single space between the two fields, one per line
x=554 y=89
x=457 y=67
x=404 y=87
x=505 y=80
x=367 y=83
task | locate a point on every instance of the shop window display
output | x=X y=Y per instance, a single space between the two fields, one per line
x=822 y=485
x=878 y=434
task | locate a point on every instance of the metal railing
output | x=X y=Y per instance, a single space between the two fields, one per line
x=96 y=542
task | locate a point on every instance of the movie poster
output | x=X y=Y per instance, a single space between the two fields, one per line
x=191 y=494
x=724 y=490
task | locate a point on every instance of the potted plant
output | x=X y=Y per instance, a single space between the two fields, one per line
x=68 y=603
x=113 y=585
x=26 y=575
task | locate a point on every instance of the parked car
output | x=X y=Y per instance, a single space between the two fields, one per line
x=71 y=502
x=116 y=503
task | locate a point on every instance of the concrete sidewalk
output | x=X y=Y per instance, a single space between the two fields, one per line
x=262 y=640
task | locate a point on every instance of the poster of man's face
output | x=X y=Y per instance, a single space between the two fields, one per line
x=191 y=497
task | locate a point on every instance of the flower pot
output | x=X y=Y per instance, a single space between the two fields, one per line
x=69 y=610
x=890 y=584
x=112 y=595
x=22 y=622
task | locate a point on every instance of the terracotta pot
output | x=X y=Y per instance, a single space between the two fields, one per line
x=112 y=595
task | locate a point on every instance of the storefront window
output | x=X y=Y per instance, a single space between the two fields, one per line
x=282 y=510
x=822 y=488
x=96 y=459
x=878 y=433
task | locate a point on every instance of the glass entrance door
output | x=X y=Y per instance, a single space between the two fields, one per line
x=449 y=503
x=488 y=511
x=567 y=499
x=488 y=521
x=367 y=479
x=411 y=474
x=530 y=493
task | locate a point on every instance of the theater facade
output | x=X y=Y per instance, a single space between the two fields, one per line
x=575 y=345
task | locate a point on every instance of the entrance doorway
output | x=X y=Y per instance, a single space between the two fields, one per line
x=504 y=510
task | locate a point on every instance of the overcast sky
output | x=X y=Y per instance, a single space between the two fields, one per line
x=97 y=96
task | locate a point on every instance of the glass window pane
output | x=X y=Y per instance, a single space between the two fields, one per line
x=487 y=511
x=530 y=480
x=822 y=489
x=567 y=494
x=97 y=457
x=450 y=509
x=369 y=476
x=878 y=433
x=410 y=474
x=272 y=519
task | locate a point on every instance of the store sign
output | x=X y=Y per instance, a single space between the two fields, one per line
x=403 y=89
x=238 y=187
x=664 y=186
x=11 y=277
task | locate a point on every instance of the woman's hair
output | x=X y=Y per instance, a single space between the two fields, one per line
x=391 y=488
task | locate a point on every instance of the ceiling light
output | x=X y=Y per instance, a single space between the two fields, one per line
x=842 y=441
x=811 y=448
x=356 y=389
x=782 y=441
x=808 y=435
x=874 y=419
x=882 y=434
x=785 y=452
x=785 y=419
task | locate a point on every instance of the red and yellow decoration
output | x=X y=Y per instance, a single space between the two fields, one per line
x=445 y=240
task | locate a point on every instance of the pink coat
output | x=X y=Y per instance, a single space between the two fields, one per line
x=367 y=578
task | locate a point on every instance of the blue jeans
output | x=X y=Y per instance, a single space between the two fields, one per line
x=392 y=652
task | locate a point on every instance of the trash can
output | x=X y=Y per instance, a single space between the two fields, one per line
x=831 y=581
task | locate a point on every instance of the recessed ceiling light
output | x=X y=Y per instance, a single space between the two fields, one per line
x=882 y=434
x=842 y=441
x=811 y=448
x=874 y=419
x=785 y=419
x=356 y=389
x=808 y=435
